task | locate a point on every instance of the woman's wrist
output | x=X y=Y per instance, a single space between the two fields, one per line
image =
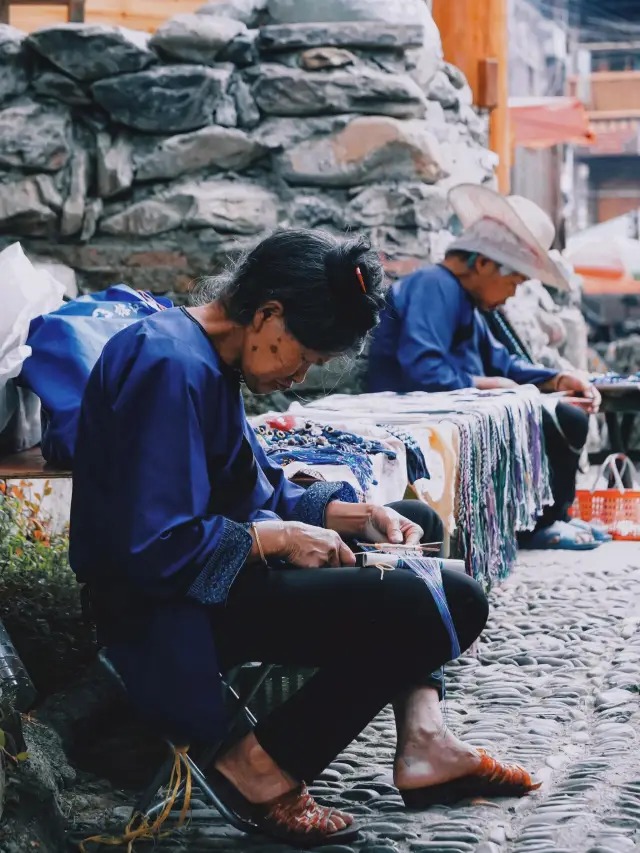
x=269 y=539
x=347 y=519
x=552 y=384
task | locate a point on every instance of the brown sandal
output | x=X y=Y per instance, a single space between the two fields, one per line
x=490 y=779
x=295 y=818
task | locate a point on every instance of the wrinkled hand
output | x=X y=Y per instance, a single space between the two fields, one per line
x=312 y=547
x=578 y=386
x=386 y=525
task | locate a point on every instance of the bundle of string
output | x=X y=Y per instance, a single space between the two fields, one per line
x=315 y=444
x=429 y=570
x=504 y=482
x=139 y=828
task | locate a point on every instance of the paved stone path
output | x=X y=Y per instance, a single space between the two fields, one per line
x=554 y=687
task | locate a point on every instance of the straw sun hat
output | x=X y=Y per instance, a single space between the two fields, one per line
x=512 y=231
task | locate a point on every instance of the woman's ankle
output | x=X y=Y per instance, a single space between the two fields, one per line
x=253 y=772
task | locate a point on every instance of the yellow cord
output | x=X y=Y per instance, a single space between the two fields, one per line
x=145 y=830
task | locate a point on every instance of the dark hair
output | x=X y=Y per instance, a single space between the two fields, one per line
x=461 y=255
x=315 y=277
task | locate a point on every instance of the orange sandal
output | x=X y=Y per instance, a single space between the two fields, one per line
x=295 y=818
x=491 y=779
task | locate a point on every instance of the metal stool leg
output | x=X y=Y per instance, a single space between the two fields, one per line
x=207 y=758
x=146 y=798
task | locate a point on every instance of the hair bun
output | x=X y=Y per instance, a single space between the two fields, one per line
x=355 y=276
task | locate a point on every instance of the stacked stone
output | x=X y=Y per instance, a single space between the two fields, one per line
x=151 y=159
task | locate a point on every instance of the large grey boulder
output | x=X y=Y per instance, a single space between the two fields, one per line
x=428 y=57
x=279 y=134
x=212 y=147
x=14 y=77
x=247 y=112
x=242 y=51
x=74 y=205
x=114 y=163
x=284 y=91
x=367 y=150
x=168 y=99
x=444 y=92
x=34 y=136
x=403 y=205
x=26 y=206
x=196 y=38
x=363 y=34
x=90 y=52
x=469 y=165
x=226 y=206
x=249 y=12
x=56 y=86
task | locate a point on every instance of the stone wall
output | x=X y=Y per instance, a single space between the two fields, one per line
x=150 y=160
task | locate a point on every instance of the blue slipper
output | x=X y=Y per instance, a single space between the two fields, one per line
x=565 y=536
x=598 y=531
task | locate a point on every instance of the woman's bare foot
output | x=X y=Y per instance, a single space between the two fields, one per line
x=428 y=753
x=431 y=759
x=253 y=772
x=259 y=779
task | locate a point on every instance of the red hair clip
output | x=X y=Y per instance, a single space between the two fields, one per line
x=361 y=280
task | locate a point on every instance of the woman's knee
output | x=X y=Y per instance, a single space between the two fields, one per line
x=422 y=514
x=574 y=424
x=468 y=606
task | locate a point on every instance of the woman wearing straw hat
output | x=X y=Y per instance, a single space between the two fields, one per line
x=433 y=337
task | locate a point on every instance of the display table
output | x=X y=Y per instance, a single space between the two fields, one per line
x=620 y=405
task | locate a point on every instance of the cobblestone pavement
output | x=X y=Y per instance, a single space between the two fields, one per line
x=554 y=687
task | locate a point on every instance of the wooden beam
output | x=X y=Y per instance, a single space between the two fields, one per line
x=474 y=38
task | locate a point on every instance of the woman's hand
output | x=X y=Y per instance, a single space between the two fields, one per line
x=303 y=545
x=371 y=523
x=580 y=389
x=387 y=525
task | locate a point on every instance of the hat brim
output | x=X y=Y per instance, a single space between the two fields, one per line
x=473 y=202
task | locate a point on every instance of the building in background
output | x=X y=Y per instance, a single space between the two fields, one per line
x=539 y=63
x=607 y=78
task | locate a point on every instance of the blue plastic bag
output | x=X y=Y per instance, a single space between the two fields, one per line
x=65 y=345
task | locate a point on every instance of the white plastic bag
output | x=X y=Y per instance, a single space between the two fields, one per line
x=25 y=293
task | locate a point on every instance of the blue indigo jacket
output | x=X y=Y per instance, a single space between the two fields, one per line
x=168 y=475
x=432 y=338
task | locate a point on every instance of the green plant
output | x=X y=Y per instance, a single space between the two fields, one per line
x=39 y=595
x=29 y=554
x=26 y=540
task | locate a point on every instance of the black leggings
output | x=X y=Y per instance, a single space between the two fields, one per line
x=563 y=452
x=370 y=639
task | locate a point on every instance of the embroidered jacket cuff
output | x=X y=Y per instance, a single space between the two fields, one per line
x=311 y=507
x=214 y=581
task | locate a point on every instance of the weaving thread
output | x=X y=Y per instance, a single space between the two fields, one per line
x=429 y=570
x=146 y=831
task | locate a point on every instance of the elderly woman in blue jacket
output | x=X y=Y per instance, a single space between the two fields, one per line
x=199 y=555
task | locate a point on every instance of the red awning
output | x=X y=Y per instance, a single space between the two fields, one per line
x=545 y=122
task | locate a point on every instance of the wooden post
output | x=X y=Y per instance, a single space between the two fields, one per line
x=475 y=39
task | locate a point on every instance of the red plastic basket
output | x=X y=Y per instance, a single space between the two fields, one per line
x=618 y=508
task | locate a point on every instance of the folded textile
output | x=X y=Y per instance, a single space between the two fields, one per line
x=289 y=439
x=497 y=482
